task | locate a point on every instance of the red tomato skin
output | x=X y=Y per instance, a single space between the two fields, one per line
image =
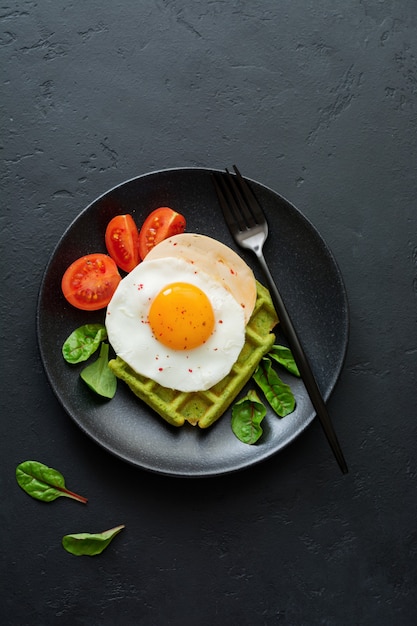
x=122 y=242
x=90 y=282
x=162 y=223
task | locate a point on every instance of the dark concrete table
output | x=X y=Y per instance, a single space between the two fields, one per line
x=317 y=101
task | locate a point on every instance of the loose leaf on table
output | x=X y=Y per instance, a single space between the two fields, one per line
x=278 y=394
x=284 y=357
x=83 y=342
x=43 y=482
x=247 y=415
x=89 y=544
x=98 y=376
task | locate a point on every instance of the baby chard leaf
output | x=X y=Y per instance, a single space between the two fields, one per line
x=284 y=357
x=83 y=342
x=98 y=376
x=43 y=483
x=247 y=415
x=89 y=544
x=278 y=394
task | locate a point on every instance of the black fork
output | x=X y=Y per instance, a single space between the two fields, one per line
x=248 y=226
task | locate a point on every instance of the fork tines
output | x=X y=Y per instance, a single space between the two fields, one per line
x=236 y=193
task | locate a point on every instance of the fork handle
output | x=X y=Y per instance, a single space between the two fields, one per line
x=303 y=365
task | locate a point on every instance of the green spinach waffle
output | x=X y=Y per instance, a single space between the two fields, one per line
x=203 y=408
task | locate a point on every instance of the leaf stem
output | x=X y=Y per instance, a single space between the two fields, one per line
x=74 y=496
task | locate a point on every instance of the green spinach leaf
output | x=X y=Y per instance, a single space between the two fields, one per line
x=89 y=544
x=284 y=357
x=43 y=482
x=247 y=415
x=83 y=342
x=98 y=376
x=278 y=394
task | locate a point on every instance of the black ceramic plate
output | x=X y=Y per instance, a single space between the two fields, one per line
x=305 y=272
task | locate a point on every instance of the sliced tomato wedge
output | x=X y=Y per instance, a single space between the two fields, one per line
x=159 y=225
x=90 y=282
x=122 y=239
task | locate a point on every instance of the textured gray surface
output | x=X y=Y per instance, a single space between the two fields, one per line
x=317 y=101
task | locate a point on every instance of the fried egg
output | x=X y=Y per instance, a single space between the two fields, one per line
x=216 y=259
x=176 y=324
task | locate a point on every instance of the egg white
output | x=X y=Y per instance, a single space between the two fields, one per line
x=131 y=336
x=215 y=259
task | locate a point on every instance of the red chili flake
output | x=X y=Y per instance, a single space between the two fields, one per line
x=140 y=286
x=232 y=271
x=220 y=321
x=190 y=371
x=160 y=369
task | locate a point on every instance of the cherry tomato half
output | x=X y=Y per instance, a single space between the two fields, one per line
x=122 y=239
x=159 y=225
x=90 y=282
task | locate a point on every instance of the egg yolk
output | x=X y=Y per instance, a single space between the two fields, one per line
x=181 y=316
